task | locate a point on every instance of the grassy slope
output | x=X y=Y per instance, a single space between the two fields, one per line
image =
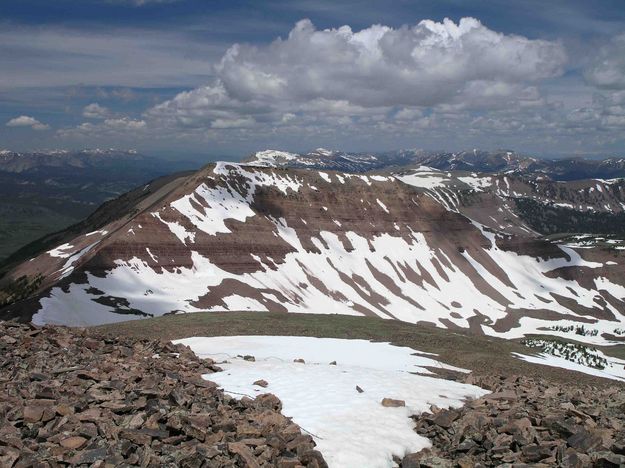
x=22 y=223
x=483 y=355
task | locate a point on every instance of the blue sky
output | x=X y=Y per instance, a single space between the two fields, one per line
x=214 y=78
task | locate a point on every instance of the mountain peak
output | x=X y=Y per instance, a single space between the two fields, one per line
x=323 y=152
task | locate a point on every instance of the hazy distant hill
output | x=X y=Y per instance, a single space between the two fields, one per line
x=46 y=191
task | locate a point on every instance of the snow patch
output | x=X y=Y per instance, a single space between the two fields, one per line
x=216 y=205
x=325 y=177
x=269 y=158
x=71 y=261
x=616 y=370
x=60 y=251
x=477 y=183
x=424 y=179
x=382 y=205
x=350 y=428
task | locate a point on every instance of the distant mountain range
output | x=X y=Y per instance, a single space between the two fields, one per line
x=13 y=161
x=472 y=161
x=41 y=192
x=502 y=189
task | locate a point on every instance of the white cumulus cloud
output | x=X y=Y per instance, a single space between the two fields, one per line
x=123 y=127
x=425 y=65
x=606 y=112
x=607 y=70
x=125 y=123
x=419 y=65
x=95 y=111
x=26 y=121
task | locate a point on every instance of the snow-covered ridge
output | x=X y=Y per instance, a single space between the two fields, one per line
x=208 y=208
x=402 y=274
x=319 y=158
x=271 y=158
x=491 y=162
x=507 y=202
x=236 y=237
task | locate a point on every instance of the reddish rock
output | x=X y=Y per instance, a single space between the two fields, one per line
x=527 y=422
x=445 y=418
x=244 y=452
x=392 y=403
x=73 y=443
x=33 y=414
x=269 y=401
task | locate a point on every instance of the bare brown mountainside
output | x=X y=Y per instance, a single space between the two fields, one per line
x=234 y=237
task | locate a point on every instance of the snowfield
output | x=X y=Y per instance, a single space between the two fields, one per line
x=351 y=429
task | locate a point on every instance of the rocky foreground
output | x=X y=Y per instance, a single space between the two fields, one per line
x=73 y=397
x=69 y=397
x=527 y=422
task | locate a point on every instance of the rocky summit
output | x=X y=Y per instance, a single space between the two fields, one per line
x=85 y=398
x=69 y=397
